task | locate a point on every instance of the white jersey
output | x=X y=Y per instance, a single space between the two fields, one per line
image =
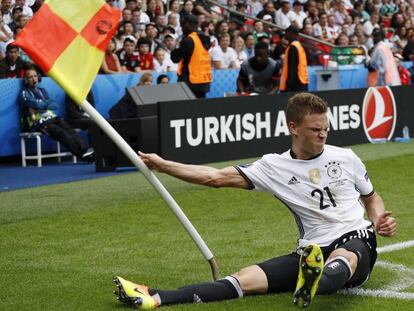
x=322 y=193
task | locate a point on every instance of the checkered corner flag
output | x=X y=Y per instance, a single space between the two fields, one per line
x=67 y=39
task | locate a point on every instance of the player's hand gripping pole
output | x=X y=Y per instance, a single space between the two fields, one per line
x=153 y=180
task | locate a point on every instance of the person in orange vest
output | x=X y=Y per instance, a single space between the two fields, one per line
x=295 y=65
x=194 y=63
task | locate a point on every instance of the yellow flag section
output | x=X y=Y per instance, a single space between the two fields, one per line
x=67 y=40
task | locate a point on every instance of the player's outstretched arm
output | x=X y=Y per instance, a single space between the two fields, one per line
x=197 y=174
x=384 y=223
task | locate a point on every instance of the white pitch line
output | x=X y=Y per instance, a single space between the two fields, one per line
x=392 y=290
x=395 y=247
x=378 y=293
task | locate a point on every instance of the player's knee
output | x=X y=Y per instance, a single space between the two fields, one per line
x=350 y=256
x=252 y=279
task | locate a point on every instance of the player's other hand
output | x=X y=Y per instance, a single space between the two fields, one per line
x=151 y=160
x=386 y=224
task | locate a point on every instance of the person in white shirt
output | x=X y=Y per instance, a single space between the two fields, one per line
x=169 y=44
x=300 y=15
x=371 y=24
x=255 y=7
x=326 y=188
x=321 y=29
x=284 y=16
x=161 y=63
x=238 y=46
x=26 y=9
x=223 y=56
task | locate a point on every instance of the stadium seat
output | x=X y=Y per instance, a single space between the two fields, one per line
x=39 y=155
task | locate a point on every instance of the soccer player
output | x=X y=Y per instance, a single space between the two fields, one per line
x=326 y=188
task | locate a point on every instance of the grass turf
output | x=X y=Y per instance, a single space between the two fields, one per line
x=60 y=245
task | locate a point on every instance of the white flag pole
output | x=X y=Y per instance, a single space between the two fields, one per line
x=154 y=181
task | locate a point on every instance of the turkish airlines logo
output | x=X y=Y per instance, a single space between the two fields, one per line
x=379 y=113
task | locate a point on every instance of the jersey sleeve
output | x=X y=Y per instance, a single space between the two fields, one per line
x=362 y=182
x=256 y=174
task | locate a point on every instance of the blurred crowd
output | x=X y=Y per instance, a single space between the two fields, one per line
x=150 y=29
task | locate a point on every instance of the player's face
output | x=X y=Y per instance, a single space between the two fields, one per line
x=310 y=136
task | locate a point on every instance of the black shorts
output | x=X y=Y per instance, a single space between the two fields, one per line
x=282 y=272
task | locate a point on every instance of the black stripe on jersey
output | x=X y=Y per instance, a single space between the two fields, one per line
x=297 y=219
x=293 y=155
x=251 y=186
x=367 y=195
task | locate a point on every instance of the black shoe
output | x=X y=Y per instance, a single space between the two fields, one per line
x=89 y=155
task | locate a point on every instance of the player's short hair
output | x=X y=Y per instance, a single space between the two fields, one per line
x=303 y=104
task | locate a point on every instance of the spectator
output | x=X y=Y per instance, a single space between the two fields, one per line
x=111 y=62
x=279 y=50
x=36 y=5
x=132 y=5
x=12 y=66
x=299 y=14
x=174 y=22
x=223 y=56
x=255 y=7
x=321 y=29
x=153 y=10
x=371 y=24
x=126 y=15
x=194 y=60
x=16 y=13
x=140 y=19
x=6 y=11
x=284 y=17
x=382 y=61
x=202 y=7
x=27 y=11
x=313 y=11
x=222 y=27
x=258 y=30
x=405 y=75
x=408 y=52
x=145 y=79
x=388 y=8
x=128 y=57
x=39 y=113
x=160 y=23
x=161 y=63
x=397 y=20
x=6 y=36
x=163 y=79
x=151 y=33
x=249 y=45
x=341 y=14
x=295 y=65
x=186 y=10
x=170 y=45
x=238 y=46
x=334 y=29
x=258 y=74
x=174 y=7
x=146 y=58
x=268 y=9
x=75 y=115
x=128 y=30
x=208 y=30
x=399 y=40
x=343 y=56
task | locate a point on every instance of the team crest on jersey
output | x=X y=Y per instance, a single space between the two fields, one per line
x=315 y=175
x=334 y=170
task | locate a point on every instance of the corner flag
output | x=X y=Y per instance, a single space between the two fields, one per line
x=67 y=39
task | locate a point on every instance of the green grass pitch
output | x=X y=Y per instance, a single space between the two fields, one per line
x=61 y=245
